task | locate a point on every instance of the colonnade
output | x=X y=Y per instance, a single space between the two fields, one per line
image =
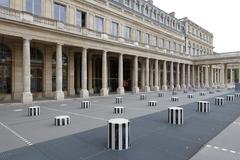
x=154 y=74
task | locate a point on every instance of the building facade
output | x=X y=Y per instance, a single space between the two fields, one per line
x=60 y=48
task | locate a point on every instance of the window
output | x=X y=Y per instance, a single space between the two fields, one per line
x=155 y=14
x=146 y=11
x=4 y=3
x=137 y=6
x=175 y=46
x=169 y=45
x=155 y=41
x=114 y=29
x=138 y=36
x=59 y=12
x=99 y=24
x=179 y=48
x=162 y=43
x=33 y=6
x=5 y=69
x=64 y=72
x=80 y=19
x=147 y=39
x=127 y=2
x=36 y=70
x=127 y=34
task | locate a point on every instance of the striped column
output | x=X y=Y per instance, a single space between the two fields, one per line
x=118 y=134
x=203 y=106
x=175 y=115
x=34 y=111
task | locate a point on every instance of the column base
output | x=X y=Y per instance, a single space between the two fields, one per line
x=120 y=90
x=59 y=95
x=84 y=93
x=26 y=97
x=164 y=87
x=147 y=89
x=135 y=90
x=171 y=87
x=156 y=88
x=183 y=86
x=91 y=91
x=178 y=86
x=104 y=92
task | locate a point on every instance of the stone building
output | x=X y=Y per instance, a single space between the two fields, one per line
x=60 y=48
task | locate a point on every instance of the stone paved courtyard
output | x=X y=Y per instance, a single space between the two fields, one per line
x=24 y=137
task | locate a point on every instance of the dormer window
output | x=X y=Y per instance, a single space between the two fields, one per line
x=137 y=6
x=146 y=10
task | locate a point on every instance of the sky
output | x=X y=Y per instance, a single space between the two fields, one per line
x=220 y=17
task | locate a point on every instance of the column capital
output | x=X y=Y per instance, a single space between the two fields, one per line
x=27 y=38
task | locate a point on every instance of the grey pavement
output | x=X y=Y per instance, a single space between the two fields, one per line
x=85 y=137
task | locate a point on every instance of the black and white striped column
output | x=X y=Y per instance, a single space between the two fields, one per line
x=203 y=106
x=160 y=94
x=85 y=104
x=202 y=93
x=185 y=91
x=62 y=120
x=118 y=134
x=143 y=97
x=190 y=96
x=237 y=95
x=211 y=92
x=119 y=100
x=219 y=101
x=152 y=103
x=119 y=110
x=230 y=97
x=175 y=115
x=33 y=111
x=174 y=99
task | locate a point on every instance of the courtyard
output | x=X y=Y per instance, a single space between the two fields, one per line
x=202 y=136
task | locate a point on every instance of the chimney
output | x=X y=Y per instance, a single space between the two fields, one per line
x=172 y=14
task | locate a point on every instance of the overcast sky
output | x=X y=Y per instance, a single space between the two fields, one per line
x=221 y=17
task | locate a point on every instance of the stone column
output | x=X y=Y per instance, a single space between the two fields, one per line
x=84 y=92
x=178 y=77
x=164 y=86
x=147 y=88
x=26 y=95
x=239 y=74
x=59 y=95
x=151 y=76
x=90 y=75
x=71 y=90
x=104 y=90
x=142 y=76
x=193 y=76
x=225 y=75
x=231 y=76
x=211 y=76
x=171 y=76
x=202 y=77
x=206 y=77
x=135 y=75
x=159 y=77
x=120 y=89
x=78 y=74
x=222 y=77
x=188 y=76
x=198 y=77
x=183 y=76
x=156 y=82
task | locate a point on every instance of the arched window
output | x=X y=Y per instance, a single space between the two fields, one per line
x=155 y=14
x=36 y=70
x=5 y=69
x=146 y=10
x=137 y=6
x=64 y=72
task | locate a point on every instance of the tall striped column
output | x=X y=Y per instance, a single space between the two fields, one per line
x=118 y=134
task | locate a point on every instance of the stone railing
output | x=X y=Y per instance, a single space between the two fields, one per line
x=20 y=16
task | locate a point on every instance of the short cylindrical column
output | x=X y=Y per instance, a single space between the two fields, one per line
x=119 y=100
x=118 y=134
x=237 y=95
x=190 y=96
x=85 y=104
x=34 y=111
x=62 y=120
x=119 y=110
x=230 y=97
x=143 y=97
x=203 y=106
x=202 y=93
x=175 y=115
x=152 y=103
x=160 y=94
x=219 y=101
x=174 y=99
